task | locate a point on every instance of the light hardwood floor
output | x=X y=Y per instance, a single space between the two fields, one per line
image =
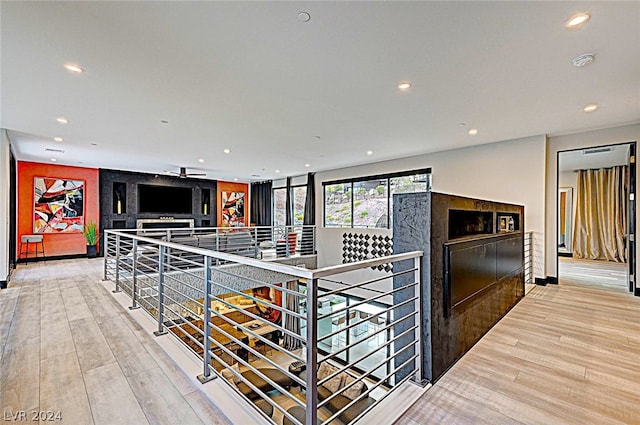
x=67 y=346
x=600 y=274
x=566 y=354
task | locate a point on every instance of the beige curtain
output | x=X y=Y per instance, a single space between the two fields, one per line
x=601 y=215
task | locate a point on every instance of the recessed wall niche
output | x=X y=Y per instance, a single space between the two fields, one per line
x=205 y=207
x=119 y=195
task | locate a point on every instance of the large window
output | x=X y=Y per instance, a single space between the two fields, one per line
x=279 y=206
x=338 y=205
x=298 y=199
x=367 y=201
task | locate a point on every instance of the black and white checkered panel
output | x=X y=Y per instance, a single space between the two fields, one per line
x=355 y=247
x=358 y=247
x=381 y=246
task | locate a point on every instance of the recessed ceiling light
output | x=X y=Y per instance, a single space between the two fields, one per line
x=405 y=85
x=164 y=121
x=227 y=151
x=57 y=139
x=461 y=124
x=62 y=120
x=94 y=144
x=591 y=107
x=473 y=131
x=235 y=180
x=582 y=60
x=53 y=160
x=74 y=68
x=307 y=165
x=200 y=160
x=277 y=171
x=577 y=20
x=369 y=153
x=304 y=17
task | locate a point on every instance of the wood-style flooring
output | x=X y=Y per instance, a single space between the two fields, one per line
x=566 y=354
x=599 y=274
x=66 y=346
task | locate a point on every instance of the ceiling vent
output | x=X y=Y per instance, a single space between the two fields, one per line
x=596 y=150
x=54 y=150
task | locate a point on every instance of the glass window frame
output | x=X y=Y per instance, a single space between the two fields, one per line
x=291 y=207
x=382 y=177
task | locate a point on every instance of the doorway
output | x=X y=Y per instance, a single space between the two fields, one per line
x=596 y=216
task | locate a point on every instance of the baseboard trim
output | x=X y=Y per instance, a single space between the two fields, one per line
x=52 y=258
x=637 y=292
x=540 y=281
x=543 y=281
x=565 y=254
x=3 y=284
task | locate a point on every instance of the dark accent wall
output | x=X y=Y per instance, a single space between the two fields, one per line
x=422 y=222
x=125 y=184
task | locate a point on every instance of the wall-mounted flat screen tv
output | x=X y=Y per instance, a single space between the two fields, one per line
x=164 y=199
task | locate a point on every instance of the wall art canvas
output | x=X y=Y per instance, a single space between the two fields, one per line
x=58 y=205
x=233 y=209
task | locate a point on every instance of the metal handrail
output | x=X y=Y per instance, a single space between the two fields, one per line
x=177 y=284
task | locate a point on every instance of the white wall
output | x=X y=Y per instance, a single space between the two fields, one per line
x=5 y=181
x=570 y=179
x=622 y=134
x=511 y=171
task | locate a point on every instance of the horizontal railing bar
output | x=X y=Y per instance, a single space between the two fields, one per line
x=256 y=317
x=265 y=340
x=261 y=301
x=352 y=363
x=272 y=266
x=259 y=282
x=379 y=365
x=359 y=285
x=262 y=376
x=367 y=300
x=343 y=268
x=378 y=332
x=385 y=395
x=248 y=348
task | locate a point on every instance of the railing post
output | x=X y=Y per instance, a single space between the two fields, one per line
x=217 y=245
x=419 y=318
x=314 y=240
x=168 y=252
x=106 y=254
x=134 y=270
x=312 y=353
x=161 y=330
x=206 y=373
x=117 y=265
x=531 y=279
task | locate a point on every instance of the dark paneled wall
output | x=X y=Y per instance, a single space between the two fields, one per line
x=421 y=222
x=110 y=179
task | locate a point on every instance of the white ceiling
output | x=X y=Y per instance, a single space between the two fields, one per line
x=280 y=93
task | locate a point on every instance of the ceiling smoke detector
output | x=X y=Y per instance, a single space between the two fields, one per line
x=582 y=60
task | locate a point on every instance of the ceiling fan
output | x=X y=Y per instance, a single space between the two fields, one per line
x=183 y=173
